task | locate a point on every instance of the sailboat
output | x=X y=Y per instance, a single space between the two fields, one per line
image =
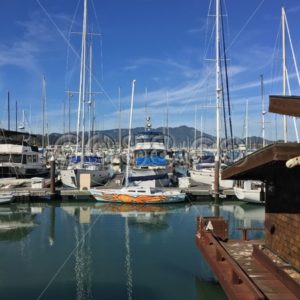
x=210 y=173
x=81 y=162
x=134 y=194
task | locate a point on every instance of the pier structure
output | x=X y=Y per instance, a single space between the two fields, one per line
x=270 y=268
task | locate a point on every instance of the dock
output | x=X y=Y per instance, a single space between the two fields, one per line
x=245 y=269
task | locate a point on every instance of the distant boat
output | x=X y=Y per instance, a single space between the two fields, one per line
x=6 y=197
x=138 y=195
x=20 y=160
x=92 y=165
x=133 y=194
x=249 y=191
x=150 y=163
x=82 y=162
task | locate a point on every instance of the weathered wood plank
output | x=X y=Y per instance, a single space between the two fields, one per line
x=285 y=105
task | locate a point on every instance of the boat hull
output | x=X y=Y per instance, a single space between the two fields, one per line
x=22 y=172
x=6 y=198
x=208 y=177
x=115 y=197
x=71 y=178
x=252 y=196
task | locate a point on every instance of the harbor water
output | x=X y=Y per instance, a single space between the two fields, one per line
x=88 y=250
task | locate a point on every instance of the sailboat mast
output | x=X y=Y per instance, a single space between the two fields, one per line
x=246 y=129
x=120 y=132
x=8 y=111
x=195 y=126
x=284 y=70
x=262 y=111
x=43 y=112
x=129 y=135
x=16 y=115
x=82 y=74
x=218 y=95
x=90 y=97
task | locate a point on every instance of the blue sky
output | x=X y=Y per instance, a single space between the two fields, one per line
x=163 y=44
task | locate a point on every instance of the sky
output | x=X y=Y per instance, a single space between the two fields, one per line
x=167 y=46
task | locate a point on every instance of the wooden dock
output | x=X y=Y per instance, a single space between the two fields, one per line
x=245 y=269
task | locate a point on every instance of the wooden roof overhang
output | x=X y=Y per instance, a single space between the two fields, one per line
x=265 y=163
x=285 y=105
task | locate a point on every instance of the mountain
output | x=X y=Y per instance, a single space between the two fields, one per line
x=181 y=136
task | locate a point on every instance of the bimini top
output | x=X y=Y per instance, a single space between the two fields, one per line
x=150 y=161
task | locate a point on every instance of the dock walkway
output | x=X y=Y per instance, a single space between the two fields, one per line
x=245 y=269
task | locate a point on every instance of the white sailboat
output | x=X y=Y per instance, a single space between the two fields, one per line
x=132 y=194
x=81 y=162
x=211 y=174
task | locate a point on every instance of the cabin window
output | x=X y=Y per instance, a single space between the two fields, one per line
x=4 y=158
x=141 y=192
x=29 y=159
x=34 y=158
x=16 y=158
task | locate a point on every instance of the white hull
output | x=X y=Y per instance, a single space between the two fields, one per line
x=207 y=176
x=71 y=178
x=6 y=197
x=248 y=195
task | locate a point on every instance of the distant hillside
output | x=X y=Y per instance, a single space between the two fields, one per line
x=182 y=136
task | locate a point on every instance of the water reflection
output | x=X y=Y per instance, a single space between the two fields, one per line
x=16 y=222
x=112 y=251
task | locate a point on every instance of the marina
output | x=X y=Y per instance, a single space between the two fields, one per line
x=138 y=159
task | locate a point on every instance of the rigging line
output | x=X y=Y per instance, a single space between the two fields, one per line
x=68 y=49
x=223 y=102
x=226 y=80
x=68 y=258
x=275 y=50
x=206 y=42
x=292 y=48
x=246 y=24
x=101 y=41
x=74 y=51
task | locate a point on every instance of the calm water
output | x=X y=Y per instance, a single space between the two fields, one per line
x=90 y=251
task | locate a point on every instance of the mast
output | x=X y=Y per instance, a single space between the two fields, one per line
x=201 y=136
x=262 y=111
x=16 y=115
x=129 y=134
x=120 y=130
x=81 y=94
x=246 y=127
x=195 y=125
x=43 y=112
x=90 y=97
x=168 y=130
x=218 y=95
x=284 y=70
x=8 y=111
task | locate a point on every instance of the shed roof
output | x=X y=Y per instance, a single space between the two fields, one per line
x=264 y=163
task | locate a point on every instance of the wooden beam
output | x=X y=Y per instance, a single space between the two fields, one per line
x=262 y=162
x=285 y=105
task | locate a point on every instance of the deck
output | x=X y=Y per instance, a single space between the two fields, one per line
x=245 y=269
